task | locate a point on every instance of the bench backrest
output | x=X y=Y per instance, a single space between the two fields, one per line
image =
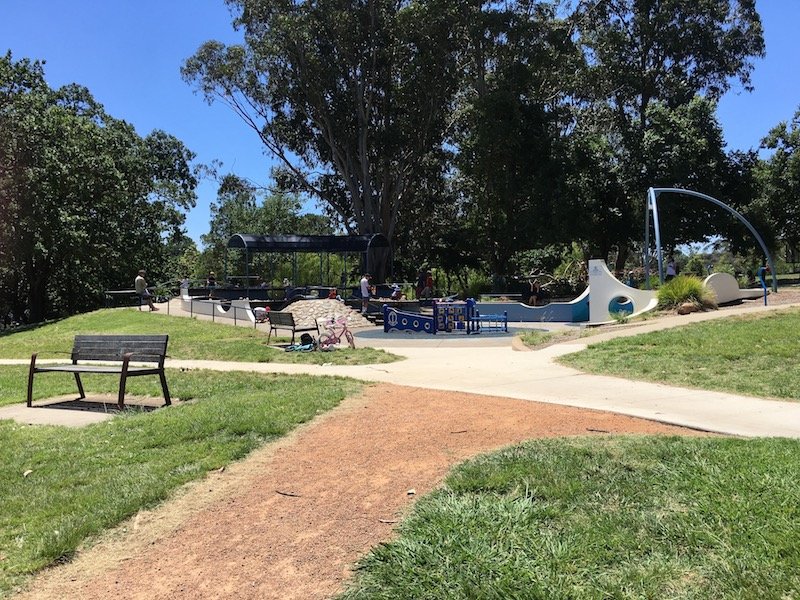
x=285 y=319
x=144 y=348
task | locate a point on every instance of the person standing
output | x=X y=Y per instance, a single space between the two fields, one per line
x=420 y=286
x=140 y=285
x=365 y=279
x=427 y=291
x=536 y=289
x=671 y=270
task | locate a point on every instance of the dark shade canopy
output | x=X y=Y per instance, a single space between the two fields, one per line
x=308 y=243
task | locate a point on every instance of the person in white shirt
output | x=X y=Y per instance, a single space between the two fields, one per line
x=671 y=271
x=365 y=279
x=140 y=285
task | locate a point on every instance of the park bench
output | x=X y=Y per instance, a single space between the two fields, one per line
x=285 y=320
x=489 y=322
x=118 y=349
x=130 y=297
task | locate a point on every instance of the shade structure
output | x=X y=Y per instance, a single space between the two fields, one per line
x=308 y=243
x=322 y=244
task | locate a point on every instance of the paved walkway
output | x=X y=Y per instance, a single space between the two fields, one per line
x=484 y=365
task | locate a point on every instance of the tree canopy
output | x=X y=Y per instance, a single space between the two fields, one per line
x=351 y=97
x=85 y=202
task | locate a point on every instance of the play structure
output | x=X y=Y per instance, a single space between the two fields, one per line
x=604 y=297
x=727 y=290
x=365 y=247
x=447 y=317
x=651 y=208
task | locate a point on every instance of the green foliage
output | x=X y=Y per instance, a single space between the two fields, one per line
x=695 y=266
x=356 y=132
x=508 y=127
x=641 y=123
x=63 y=485
x=84 y=199
x=609 y=517
x=780 y=180
x=685 y=288
x=750 y=356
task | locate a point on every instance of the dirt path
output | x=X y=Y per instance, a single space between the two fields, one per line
x=292 y=519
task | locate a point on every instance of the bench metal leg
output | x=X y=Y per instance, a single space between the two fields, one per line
x=123 y=378
x=30 y=379
x=80 y=385
x=164 y=388
x=121 y=397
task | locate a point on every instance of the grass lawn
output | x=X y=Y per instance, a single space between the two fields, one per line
x=757 y=355
x=581 y=518
x=536 y=338
x=188 y=339
x=60 y=486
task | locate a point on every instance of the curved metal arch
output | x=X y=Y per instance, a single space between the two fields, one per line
x=652 y=205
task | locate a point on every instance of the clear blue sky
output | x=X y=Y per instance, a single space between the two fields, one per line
x=129 y=53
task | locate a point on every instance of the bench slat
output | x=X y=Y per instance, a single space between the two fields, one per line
x=145 y=348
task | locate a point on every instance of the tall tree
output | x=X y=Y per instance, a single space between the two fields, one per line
x=510 y=124
x=84 y=199
x=779 y=176
x=639 y=52
x=351 y=96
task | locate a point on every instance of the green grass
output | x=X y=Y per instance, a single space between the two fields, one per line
x=85 y=480
x=685 y=288
x=603 y=518
x=539 y=339
x=756 y=355
x=188 y=339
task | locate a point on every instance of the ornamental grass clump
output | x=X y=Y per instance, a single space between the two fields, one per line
x=686 y=289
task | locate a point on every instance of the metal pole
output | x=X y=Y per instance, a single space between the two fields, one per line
x=735 y=214
x=647 y=239
x=657 y=228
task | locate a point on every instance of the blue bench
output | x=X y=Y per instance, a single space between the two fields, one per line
x=490 y=322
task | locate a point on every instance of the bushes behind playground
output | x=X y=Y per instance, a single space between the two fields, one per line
x=683 y=289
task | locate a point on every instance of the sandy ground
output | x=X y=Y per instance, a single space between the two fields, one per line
x=292 y=520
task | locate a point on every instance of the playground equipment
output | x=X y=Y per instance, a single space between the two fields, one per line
x=609 y=295
x=651 y=207
x=447 y=317
x=604 y=295
x=726 y=289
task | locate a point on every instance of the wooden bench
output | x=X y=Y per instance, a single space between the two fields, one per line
x=285 y=320
x=111 y=349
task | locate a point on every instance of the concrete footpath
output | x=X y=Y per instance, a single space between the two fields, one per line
x=494 y=367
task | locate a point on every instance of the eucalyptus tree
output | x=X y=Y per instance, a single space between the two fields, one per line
x=510 y=127
x=644 y=52
x=350 y=96
x=84 y=199
x=779 y=176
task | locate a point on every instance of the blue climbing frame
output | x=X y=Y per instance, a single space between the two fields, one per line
x=448 y=317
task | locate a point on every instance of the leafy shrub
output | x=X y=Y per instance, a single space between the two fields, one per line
x=685 y=288
x=696 y=266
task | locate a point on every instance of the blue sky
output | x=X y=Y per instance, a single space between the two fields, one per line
x=129 y=52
